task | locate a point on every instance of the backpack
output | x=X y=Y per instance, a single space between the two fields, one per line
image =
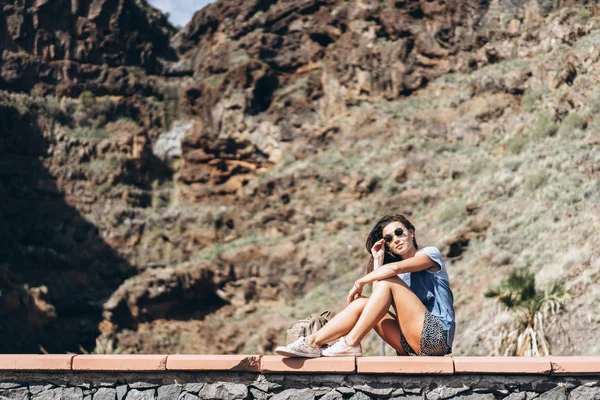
x=307 y=326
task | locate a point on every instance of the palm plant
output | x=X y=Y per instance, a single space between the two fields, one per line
x=103 y=346
x=535 y=311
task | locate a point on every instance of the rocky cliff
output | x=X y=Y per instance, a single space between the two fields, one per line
x=204 y=188
x=66 y=47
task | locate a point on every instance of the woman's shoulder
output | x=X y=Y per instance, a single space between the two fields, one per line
x=435 y=255
x=430 y=250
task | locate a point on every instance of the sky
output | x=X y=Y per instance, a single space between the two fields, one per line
x=180 y=11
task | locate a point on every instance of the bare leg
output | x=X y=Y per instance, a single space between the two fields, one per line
x=339 y=325
x=410 y=311
x=389 y=330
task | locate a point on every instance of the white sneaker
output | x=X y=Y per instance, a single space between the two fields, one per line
x=341 y=348
x=299 y=348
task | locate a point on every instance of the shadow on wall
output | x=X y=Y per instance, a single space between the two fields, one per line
x=55 y=269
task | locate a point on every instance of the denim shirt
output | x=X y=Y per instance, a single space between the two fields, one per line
x=433 y=289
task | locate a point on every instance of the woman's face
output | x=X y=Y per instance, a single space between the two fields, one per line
x=401 y=238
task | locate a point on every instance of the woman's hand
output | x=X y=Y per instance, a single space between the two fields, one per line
x=355 y=292
x=378 y=251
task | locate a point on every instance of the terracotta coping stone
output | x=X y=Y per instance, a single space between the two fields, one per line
x=33 y=362
x=321 y=364
x=570 y=365
x=249 y=363
x=502 y=365
x=120 y=362
x=574 y=365
x=405 y=365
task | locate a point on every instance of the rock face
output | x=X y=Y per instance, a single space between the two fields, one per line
x=66 y=46
x=326 y=54
x=175 y=192
x=57 y=270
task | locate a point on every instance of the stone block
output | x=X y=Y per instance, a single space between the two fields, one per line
x=445 y=392
x=319 y=391
x=35 y=362
x=405 y=365
x=558 y=393
x=249 y=363
x=346 y=391
x=295 y=394
x=223 y=391
x=35 y=389
x=144 y=385
x=521 y=396
x=332 y=395
x=59 y=393
x=269 y=383
x=104 y=393
x=10 y=385
x=122 y=391
x=502 y=365
x=135 y=394
x=582 y=365
x=14 y=394
x=360 y=396
x=374 y=389
x=168 y=392
x=269 y=364
x=119 y=362
x=585 y=393
x=259 y=394
x=193 y=387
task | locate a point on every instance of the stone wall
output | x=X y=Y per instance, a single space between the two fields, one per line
x=243 y=385
x=187 y=377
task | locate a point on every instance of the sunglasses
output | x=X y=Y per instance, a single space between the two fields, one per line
x=389 y=237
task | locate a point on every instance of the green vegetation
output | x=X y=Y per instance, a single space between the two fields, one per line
x=580 y=15
x=451 y=210
x=593 y=99
x=213 y=80
x=571 y=124
x=537 y=180
x=239 y=60
x=87 y=99
x=533 y=311
x=171 y=105
x=544 y=126
x=595 y=123
x=517 y=143
x=106 y=346
x=532 y=96
x=90 y=134
x=407 y=107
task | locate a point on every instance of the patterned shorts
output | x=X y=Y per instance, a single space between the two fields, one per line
x=434 y=339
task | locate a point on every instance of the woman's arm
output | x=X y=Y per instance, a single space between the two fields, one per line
x=417 y=263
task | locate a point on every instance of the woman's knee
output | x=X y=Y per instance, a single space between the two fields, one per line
x=384 y=283
x=393 y=280
x=358 y=304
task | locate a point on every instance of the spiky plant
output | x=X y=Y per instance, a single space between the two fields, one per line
x=106 y=346
x=103 y=346
x=534 y=310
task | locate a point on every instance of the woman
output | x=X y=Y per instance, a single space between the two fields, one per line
x=415 y=282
